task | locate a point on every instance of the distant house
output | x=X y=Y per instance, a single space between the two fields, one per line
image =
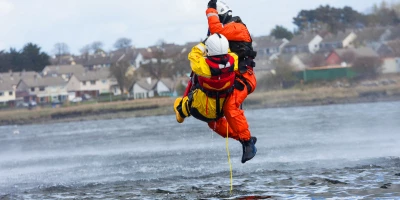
x=164 y=52
x=43 y=89
x=7 y=91
x=93 y=82
x=144 y=88
x=66 y=59
x=389 y=49
x=63 y=71
x=103 y=60
x=347 y=56
x=299 y=61
x=384 y=50
x=306 y=43
x=180 y=84
x=338 y=41
x=391 y=65
x=373 y=37
x=268 y=46
x=9 y=82
x=98 y=60
x=390 y=52
x=165 y=87
x=264 y=65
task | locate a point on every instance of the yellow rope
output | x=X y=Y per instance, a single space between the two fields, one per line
x=227 y=150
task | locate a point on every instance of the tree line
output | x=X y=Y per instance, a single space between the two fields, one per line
x=332 y=19
x=29 y=58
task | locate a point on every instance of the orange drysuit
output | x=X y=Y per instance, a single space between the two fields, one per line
x=238 y=127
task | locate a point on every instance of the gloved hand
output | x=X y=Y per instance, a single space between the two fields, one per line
x=212 y=4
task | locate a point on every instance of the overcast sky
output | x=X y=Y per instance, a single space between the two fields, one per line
x=80 y=22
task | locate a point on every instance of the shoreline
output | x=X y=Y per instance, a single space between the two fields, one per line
x=163 y=106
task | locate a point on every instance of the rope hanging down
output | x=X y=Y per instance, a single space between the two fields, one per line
x=229 y=157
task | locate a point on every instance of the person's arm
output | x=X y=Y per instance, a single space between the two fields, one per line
x=197 y=61
x=215 y=26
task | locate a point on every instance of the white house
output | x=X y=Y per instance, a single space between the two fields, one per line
x=299 y=61
x=44 y=89
x=165 y=87
x=391 y=65
x=9 y=82
x=94 y=83
x=144 y=88
x=338 y=41
x=348 y=41
x=164 y=52
x=7 y=90
x=390 y=52
x=307 y=43
x=269 y=46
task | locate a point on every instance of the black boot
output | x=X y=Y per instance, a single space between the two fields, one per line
x=249 y=149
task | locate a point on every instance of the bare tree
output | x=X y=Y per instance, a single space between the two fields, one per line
x=284 y=71
x=122 y=43
x=119 y=71
x=97 y=46
x=61 y=49
x=156 y=66
x=85 y=49
x=316 y=60
x=367 y=67
x=348 y=57
x=160 y=42
x=181 y=64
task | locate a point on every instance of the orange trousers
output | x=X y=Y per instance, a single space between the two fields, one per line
x=234 y=117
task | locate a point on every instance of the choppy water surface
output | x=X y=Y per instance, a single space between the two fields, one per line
x=338 y=152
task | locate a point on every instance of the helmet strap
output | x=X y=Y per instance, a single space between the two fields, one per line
x=225 y=18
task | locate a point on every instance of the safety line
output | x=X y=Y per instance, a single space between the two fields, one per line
x=229 y=157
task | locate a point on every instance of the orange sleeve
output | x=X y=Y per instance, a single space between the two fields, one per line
x=232 y=31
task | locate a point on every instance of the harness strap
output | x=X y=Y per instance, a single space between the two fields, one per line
x=217 y=95
x=248 y=86
x=214 y=94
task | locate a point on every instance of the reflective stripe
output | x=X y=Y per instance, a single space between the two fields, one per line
x=184 y=108
x=211 y=14
x=201 y=47
x=222 y=66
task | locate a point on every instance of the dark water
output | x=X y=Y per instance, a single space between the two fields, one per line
x=332 y=152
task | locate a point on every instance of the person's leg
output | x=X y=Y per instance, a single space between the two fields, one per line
x=235 y=116
x=237 y=120
x=220 y=127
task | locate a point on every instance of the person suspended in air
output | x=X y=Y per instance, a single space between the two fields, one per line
x=220 y=20
x=212 y=93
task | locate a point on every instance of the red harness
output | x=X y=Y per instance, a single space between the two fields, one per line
x=222 y=76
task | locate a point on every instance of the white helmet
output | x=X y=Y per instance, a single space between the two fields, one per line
x=216 y=44
x=222 y=8
x=224 y=12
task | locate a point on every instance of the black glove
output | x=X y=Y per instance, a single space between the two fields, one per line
x=212 y=4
